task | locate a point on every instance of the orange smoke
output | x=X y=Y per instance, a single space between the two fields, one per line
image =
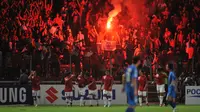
x=117 y=9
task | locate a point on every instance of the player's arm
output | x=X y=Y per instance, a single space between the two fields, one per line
x=175 y=85
x=134 y=81
x=134 y=84
x=146 y=84
x=76 y=81
x=173 y=82
x=101 y=84
x=90 y=83
x=165 y=74
x=112 y=81
x=154 y=79
x=123 y=82
x=30 y=76
x=39 y=81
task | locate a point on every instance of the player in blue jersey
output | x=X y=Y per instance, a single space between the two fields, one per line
x=171 y=95
x=130 y=84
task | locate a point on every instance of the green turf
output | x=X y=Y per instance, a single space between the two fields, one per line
x=95 y=109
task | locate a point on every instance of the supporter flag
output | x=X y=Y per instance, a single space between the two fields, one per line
x=109 y=45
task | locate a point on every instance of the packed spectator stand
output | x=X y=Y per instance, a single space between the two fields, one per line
x=50 y=36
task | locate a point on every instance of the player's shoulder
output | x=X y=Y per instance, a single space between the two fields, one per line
x=130 y=68
x=139 y=77
x=37 y=76
x=171 y=73
x=90 y=78
x=103 y=77
x=111 y=76
x=67 y=77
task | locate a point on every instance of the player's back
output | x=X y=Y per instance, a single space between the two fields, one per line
x=68 y=84
x=142 y=80
x=93 y=85
x=171 y=77
x=81 y=81
x=107 y=80
x=35 y=82
x=160 y=78
x=131 y=72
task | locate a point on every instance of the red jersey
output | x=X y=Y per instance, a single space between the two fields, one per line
x=68 y=83
x=160 y=79
x=82 y=82
x=93 y=85
x=35 y=83
x=142 y=80
x=108 y=81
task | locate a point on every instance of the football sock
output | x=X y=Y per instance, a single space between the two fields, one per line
x=109 y=103
x=146 y=99
x=95 y=98
x=105 y=100
x=38 y=100
x=35 y=100
x=140 y=101
x=90 y=96
x=97 y=102
x=90 y=102
x=161 y=100
x=71 y=100
x=130 y=110
x=81 y=100
x=174 y=105
x=67 y=100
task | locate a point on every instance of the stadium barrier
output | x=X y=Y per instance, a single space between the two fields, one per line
x=54 y=95
x=192 y=95
x=15 y=94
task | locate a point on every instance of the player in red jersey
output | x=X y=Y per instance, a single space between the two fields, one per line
x=35 y=87
x=69 y=88
x=160 y=84
x=107 y=81
x=142 y=89
x=92 y=87
x=82 y=82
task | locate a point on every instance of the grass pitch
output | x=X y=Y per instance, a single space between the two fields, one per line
x=180 y=108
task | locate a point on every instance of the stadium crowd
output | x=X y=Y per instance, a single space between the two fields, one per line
x=35 y=34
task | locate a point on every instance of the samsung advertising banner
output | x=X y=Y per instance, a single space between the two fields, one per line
x=192 y=95
x=15 y=94
x=55 y=95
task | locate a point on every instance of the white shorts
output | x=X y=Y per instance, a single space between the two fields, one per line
x=36 y=93
x=81 y=91
x=142 y=93
x=68 y=94
x=93 y=92
x=160 y=88
x=108 y=93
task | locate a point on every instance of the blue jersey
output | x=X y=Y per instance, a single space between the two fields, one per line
x=131 y=73
x=171 y=78
x=171 y=86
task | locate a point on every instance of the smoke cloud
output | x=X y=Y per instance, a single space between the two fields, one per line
x=135 y=8
x=117 y=9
